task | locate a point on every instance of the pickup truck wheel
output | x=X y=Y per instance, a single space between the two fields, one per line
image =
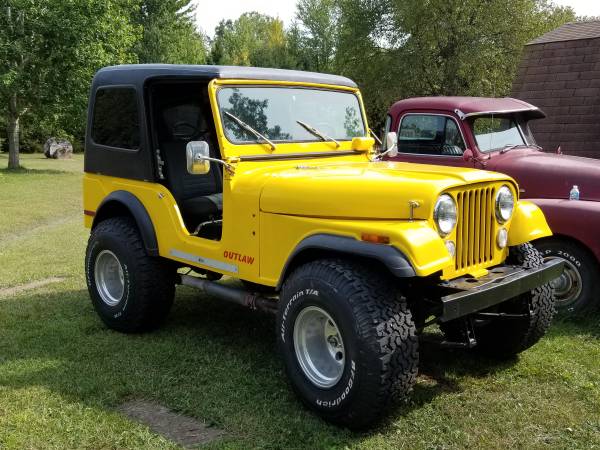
x=574 y=289
x=130 y=290
x=347 y=340
x=505 y=337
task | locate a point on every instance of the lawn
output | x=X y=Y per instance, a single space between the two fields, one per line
x=63 y=374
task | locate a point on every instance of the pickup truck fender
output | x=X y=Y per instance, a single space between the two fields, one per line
x=578 y=220
x=528 y=223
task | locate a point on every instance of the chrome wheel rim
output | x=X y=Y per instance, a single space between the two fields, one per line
x=319 y=347
x=108 y=274
x=568 y=286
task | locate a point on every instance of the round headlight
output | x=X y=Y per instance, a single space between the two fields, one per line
x=444 y=214
x=505 y=202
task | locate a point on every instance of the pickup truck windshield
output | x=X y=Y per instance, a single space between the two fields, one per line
x=279 y=113
x=496 y=133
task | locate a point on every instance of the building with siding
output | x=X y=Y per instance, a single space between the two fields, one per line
x=560 y=73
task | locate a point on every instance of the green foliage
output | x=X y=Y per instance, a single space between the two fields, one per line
x=169 y=33
x=393 y=49
x=315 y=34
x=402 y=48
x=252 y=40
x=49 y=52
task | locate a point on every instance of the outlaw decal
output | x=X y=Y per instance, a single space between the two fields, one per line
x=246 y=259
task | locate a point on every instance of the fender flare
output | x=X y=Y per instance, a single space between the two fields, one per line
x=392 y=258
x=124 y=199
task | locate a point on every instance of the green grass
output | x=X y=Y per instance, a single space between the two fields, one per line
x=62 y=373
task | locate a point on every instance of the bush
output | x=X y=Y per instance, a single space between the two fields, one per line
x=31 y=146
x=78 y=146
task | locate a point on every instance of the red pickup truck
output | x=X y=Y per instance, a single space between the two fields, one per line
x=494 y=134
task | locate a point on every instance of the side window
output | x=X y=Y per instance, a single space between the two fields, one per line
x=116 y=118
x=428 y=134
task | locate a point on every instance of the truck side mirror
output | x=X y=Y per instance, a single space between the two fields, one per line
x=391 y=144
x=197 y=157
x=468 y=155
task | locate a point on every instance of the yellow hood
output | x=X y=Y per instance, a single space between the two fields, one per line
x=373 y=190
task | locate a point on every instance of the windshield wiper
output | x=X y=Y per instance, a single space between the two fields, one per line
x=508 y=147
x=247 y=127
x=318 y=133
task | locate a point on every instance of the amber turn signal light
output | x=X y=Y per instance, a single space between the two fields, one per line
x=375 y=238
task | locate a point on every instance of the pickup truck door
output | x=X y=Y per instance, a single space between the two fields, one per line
x=430 y=138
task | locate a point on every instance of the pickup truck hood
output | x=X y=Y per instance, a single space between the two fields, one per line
x=549 y=175
x=374 y=190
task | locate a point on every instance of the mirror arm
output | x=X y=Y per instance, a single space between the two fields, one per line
x=375 y=137
x=382 y=154
x=230 y=168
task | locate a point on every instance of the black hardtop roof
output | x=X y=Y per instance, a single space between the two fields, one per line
x=138 y=74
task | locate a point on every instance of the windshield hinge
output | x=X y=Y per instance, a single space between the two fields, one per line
x=160 y=164
x=461 y=115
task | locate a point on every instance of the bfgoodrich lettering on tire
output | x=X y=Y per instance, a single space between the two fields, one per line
x=347 y=340
x=130 y=290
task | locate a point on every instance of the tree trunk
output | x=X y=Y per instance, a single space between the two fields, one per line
x=13 y=143
x=13 y=133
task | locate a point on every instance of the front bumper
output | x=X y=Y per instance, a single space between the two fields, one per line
x=499 y=285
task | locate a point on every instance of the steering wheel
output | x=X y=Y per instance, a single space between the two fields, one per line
x=451 y=150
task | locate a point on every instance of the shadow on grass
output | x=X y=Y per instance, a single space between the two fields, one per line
x=211 y=360
x=25 y=171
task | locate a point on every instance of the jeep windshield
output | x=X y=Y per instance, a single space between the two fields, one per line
x=289 y=114
x=497 y=133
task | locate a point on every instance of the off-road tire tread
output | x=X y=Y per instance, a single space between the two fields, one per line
x=542 y=309
x=387 y=328
x=155 y=289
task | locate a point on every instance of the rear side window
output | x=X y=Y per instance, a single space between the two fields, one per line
x=116 y=118
x=428 y=134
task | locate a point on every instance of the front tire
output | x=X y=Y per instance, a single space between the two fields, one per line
x=574 y=289
x=503 y=338
x=130 y=290
x=347 y=341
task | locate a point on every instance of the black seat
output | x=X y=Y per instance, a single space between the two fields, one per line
x=200 y=197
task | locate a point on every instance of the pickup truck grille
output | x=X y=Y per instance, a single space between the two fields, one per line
x=475 y=232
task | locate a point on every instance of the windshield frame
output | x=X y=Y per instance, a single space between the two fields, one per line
x=287 y=85
x=513 y=117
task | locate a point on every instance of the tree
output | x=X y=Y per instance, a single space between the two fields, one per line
x=252 y=40
x=469 y=47
x=315 y=33
x=169 y=33
x=403 y=48
x=49 y=52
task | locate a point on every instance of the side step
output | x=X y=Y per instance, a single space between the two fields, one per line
x=233 y=295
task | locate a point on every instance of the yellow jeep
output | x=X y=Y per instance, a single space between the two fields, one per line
x=270 y=177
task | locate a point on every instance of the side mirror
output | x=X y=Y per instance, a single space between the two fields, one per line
x=362 y=144
x=197 y=154
x=391 y=144
x=468 y=155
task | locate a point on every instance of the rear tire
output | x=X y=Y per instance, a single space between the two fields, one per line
x=130 y=291
x=574 y=290
x=347 y=340
x=505 y=338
